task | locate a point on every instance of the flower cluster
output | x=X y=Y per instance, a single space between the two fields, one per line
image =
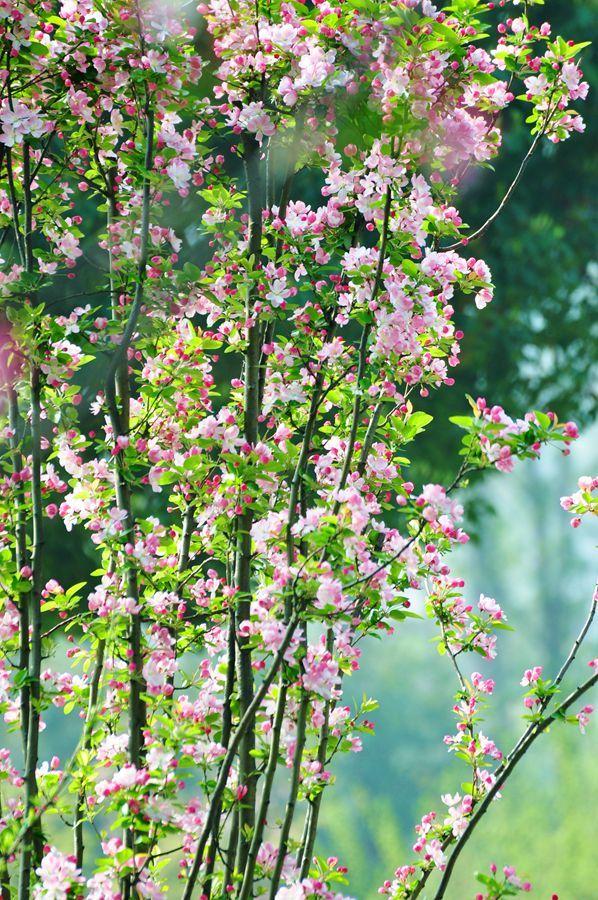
x=582 y=501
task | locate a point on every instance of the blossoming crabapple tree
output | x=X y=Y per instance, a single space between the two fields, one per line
x=245 y=533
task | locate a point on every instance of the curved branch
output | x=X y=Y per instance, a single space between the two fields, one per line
x=561 y=674
x=510 y=191
x=120 y=354
x=513 y=759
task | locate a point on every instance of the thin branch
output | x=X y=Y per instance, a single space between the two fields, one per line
x=251 y=410
x=94 y=689
x=467 y=239
x=292 y=798
x=242 y=727
x=513 y=759
x=562 y=672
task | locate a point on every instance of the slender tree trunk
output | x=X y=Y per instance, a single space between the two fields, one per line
x=235 y=742
x=21 y=559
x=292 y=798
x=117 y=386
x=33 y=840
x=94 y=689
x=247 y=773
x=226 y=733
x=262 y=817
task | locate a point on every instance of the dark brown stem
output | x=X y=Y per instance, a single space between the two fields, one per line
x=563 y=670
x=513 y=759
x=183 y=562
x=313 y=814
x=578 y=641
x=363 y=347
x=247 y=773
x=295 y=489
x=33 y=840
x=369 y=439
x=285 y=195
x=120 y=354
x=21 y=559
x=512 y=187
x=12 y=193
x=255 y=204
x=311 y=823
x=262 y=817
x=246 y=689
x=292 y=798
x=28 y=209
x=526 y=734
x=117 y=383
x=245 y=723
x=226 y=733
x=94 y=689
x=231 y=853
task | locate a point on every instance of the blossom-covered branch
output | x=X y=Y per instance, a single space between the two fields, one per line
x=256 y=204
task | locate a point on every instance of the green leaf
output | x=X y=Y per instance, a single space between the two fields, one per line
x=568 y=52
x=462 y=421
x=410 y=268
x=419 y=420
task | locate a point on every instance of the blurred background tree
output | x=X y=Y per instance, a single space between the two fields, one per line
x=535 y=347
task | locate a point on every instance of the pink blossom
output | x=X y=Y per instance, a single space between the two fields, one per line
x=583 y=717
x=19 y=121
x=58 y=874
x=320 y=672
x=179 y=173
x=254 y=119
x=531 y=676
